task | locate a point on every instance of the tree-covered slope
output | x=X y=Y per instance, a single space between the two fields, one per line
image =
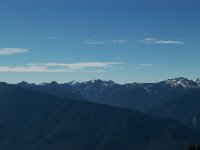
x=31 y=120
x=185 y=108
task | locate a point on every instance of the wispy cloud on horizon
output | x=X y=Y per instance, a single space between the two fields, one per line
x=143 y=65
x=146 y=65
x=93 y=42
x=12 y=51
x=158 y=41
x=121 y=41
x=82 y=67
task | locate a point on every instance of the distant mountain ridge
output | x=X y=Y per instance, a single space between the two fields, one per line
x=176 y=82
x=61 y=90
x=138 y=96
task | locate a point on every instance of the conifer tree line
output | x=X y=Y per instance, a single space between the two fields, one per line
x=194 y=147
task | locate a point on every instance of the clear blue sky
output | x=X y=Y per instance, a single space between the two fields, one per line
x=120 y=40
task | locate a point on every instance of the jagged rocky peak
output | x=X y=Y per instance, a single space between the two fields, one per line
x=98 y=82
x=181 y=82
x=43 y=84
x=133 y=85
x=197 y=80
x=53 y=83
x=24 y=84
x=2 y=84
x=73 y=83
x=104 y=83
x=109 y=83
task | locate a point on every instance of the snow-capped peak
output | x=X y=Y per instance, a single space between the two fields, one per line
x=181 y=82
x=197 y=80
x=43 y=84
x=73 y=83
x=92 y=83
x=101 y=82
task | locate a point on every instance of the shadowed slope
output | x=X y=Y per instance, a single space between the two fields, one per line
x=184 y=108
x=31 y=120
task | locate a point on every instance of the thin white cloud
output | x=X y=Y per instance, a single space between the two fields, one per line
x=12 y=51
x=139 y=66
x=157 y=41
x=50 y=37
x=121 y=41
x=82 y=67
x=146 y=65
x=93 y=42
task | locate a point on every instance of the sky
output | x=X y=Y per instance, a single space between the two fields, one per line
x=120 y=40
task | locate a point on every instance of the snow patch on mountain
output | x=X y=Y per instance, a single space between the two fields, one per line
x=181 y=82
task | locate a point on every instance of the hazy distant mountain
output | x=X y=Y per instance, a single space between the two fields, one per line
x=61 y=90
x=31 y=120
x=138 y=96
x=185 y=108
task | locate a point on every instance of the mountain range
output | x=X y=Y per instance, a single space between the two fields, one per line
x=150 y=98
x=35 y=120
x=137 y=96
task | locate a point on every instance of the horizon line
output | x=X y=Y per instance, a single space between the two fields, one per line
x=109 y=80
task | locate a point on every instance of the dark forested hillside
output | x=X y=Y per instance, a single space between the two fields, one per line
x=185 y=108
x=31 y=120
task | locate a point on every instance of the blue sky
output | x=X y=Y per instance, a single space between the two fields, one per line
x=124 y=41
